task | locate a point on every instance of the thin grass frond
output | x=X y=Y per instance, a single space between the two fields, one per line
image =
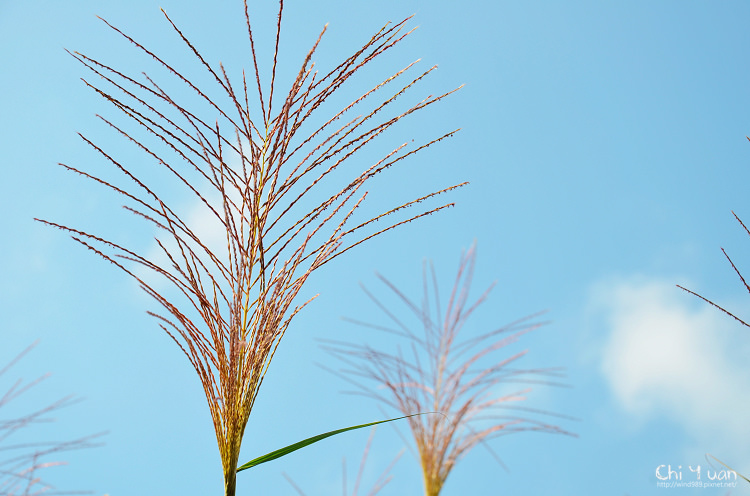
x=736 y=271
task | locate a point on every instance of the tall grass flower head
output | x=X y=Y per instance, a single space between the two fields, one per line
x=272 y=172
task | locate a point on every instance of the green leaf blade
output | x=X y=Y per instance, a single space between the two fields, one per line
x=311 y=440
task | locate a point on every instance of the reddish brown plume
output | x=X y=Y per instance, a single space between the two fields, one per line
x=273 y=177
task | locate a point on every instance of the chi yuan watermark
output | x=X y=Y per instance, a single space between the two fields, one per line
x=669 y=476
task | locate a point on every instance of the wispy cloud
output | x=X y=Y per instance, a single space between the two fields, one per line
x=667 y=354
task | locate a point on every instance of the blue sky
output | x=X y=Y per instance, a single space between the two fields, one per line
x=606 y=147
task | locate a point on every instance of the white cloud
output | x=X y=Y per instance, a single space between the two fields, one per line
x=669 y=354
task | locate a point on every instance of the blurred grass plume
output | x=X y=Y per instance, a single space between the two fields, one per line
x=445 y=370
x=22 y=464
